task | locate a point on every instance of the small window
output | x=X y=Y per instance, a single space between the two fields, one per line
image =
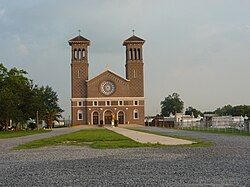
x=95 y=103
x=108 y=103
x=130 y=54
x=136 y=114
x=135 y=54
x=75 y=53
x=83 y=53
x=79 y=115
x=139 y=54
x=80 y=103
x=134 y=73
x=136 y=103
x=120 y=103
x=79 y=54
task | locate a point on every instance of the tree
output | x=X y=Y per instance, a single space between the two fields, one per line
x=240 y=110
x=171 y=104
x=13 y=87
x=20 y=99
x=192 y=111
x=52 y=110
x=224 y=111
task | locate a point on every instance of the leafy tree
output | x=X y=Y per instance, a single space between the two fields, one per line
x=52 y=110
x=240 y=110
x=171 y=104
x=190 y=110
x=20 y=99
x=224 y=111
x=13 y=87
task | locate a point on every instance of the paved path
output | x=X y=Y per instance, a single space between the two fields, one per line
x=149 y=138
x=7 y=144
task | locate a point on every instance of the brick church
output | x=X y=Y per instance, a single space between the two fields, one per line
x=108 y=95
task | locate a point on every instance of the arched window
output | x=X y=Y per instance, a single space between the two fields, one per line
x=130 y=54
x=83 y=53
x=79 y=54
x=79 y=115
x=134 y=73
x=136 y=114
x=135 y=54
x=139 y=54
x=75 y=54
x=95 y=118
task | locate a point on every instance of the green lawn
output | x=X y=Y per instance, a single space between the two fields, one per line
x=199 y=142
x=227 y=131
x=95 y=138
x=13 y=134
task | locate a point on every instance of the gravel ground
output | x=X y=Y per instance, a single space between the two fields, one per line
x=224 y=164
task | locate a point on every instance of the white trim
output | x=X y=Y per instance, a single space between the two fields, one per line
x=94 y=104
x=136 y=111
x=79 y=112
x=103 y=116
x=124 y=120
x=107 y=98
x=92 y=117
x=110 y=72
x=106 y=103
x=137 y=102
x=79 y=102
x=103 y=106
x=121 y=101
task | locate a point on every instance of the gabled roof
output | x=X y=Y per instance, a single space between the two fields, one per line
x=133 y=39
x=108 y=72
x=80 y=39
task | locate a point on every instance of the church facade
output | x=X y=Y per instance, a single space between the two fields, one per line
x=108 y=95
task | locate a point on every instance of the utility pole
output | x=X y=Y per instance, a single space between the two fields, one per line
x=37 y=119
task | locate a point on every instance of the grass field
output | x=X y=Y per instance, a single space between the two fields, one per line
x=199 y=142
x=226 y=131
x=13 y=134
x=95 y=138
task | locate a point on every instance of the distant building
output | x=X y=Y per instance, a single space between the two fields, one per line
x=222 y=121
x=176 y=120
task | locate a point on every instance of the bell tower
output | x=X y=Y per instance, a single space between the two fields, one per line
x=134 y=65
x=79 y=76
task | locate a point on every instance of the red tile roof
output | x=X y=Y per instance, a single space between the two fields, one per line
x=133 y=39
x=79 y=38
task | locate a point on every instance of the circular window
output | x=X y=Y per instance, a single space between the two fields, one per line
x=107 y=87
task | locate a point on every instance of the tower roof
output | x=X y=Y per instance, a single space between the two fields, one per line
x=79 y=39
x=133 y=39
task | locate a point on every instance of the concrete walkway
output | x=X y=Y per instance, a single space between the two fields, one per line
x=143 y=137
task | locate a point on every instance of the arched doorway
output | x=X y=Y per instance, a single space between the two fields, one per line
x=107 y=117
x=120 y=117
x=95 y=117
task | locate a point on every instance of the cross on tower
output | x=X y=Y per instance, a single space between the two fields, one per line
x=133 y=32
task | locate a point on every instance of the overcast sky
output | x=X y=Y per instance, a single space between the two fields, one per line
x=197 y=48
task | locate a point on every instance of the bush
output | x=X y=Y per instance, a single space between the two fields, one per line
x=32 y=125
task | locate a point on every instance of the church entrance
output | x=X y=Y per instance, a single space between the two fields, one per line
x=121 y=117
x=95 y=118
x=108 y=117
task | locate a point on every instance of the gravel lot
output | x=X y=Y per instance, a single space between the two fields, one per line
x=224 y=164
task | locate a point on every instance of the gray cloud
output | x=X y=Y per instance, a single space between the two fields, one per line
x=192 y=47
